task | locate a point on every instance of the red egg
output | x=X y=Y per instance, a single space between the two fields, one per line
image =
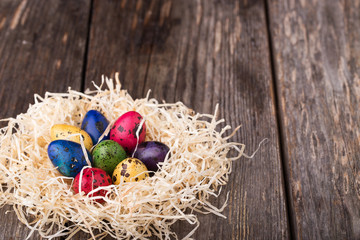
x=92 y=178
x=125 y=128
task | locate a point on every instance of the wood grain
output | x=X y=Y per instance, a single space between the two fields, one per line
x=203 y=53
x=42 y=46
x=317 y=59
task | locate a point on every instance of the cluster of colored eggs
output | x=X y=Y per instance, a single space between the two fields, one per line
x=108 y=155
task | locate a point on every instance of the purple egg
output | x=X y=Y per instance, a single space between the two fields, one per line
x=151 y=153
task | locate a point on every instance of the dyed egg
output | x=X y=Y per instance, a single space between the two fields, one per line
x=67 y=156
x=151 y=153
x=107 y=155
x=92 y=178
x=125 y=128
x=129 y=170
x=63 y=131
x=94 y=123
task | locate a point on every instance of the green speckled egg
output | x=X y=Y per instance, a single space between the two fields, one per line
x=107 y=155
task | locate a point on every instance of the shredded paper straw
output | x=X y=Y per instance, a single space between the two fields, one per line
x=195 y=169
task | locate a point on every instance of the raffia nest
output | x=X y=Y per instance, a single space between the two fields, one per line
x=45 y=202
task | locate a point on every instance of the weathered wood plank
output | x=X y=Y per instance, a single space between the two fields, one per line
x=203 y=53
x=317 y=59
x=42 y=46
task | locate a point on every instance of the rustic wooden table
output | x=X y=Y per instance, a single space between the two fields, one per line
x=286 y=70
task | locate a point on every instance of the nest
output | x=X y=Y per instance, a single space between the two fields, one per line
x=44 y=200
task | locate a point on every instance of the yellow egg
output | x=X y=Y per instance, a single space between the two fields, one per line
x=62 y=131
x=129 y=170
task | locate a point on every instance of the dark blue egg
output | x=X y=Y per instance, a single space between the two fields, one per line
x=68 y=157
x=94 y=123
x=151 y=153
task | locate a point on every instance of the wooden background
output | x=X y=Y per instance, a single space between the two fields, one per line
x=288 y=71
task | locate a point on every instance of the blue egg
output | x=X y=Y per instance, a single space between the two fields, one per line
x=94 y=123
x=68 y=157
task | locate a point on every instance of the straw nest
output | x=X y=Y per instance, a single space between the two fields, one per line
x=45 y=202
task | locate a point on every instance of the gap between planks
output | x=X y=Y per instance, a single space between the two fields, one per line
x=281 y=136
x=83 y=70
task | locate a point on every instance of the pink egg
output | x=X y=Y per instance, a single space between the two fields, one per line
x=125 y=128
